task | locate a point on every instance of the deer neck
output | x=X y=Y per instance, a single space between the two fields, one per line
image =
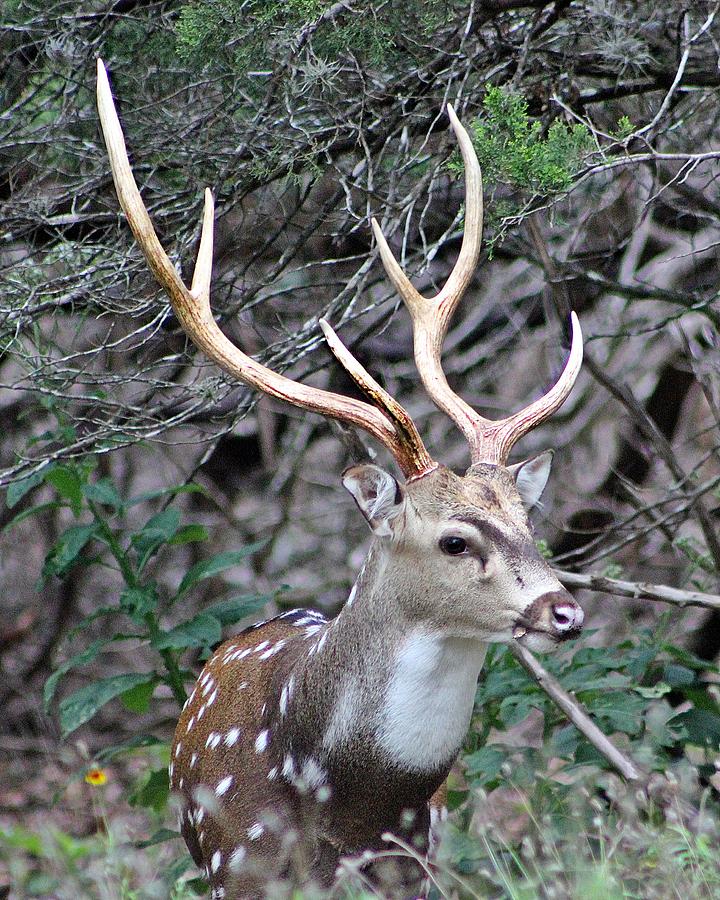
x=385 y=687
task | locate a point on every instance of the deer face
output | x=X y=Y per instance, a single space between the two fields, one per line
x=461 y=551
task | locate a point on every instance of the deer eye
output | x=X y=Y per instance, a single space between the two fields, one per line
x=453 y=545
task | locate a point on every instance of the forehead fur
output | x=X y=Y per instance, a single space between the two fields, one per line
x=483 y=487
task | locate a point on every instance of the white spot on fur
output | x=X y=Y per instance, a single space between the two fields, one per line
x=261 y=646
x=201 y=712
x=178 y=747
x=433 y=680
x=255 y=831
x=242 y=685
x=351 y=598
x=261 y=741
x=209 y=686
x=213 y=739
x=190 y=723
x=224 y=786
x=212 y=697
x=344 y=715
x=236 y=858
x=312 y=773
x=312 y=629
x=273 y=650
x=216 y=861
x=193 y=760
x=288 y=768
x=232 y=736
x=323 y=639
x=272 y=774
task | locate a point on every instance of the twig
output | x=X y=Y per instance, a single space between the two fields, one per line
x=638 y=590
x=577 y=715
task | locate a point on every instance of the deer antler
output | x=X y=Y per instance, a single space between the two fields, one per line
x=386 y=420
x=490 y=441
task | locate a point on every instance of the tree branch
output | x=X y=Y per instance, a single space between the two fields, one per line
x=577 y=715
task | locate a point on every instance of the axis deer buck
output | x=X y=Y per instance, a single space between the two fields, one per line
x=306 y=740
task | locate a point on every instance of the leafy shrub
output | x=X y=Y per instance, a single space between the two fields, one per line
x=513 y=149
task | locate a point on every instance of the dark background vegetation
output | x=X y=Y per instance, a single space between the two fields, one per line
x=306 y=118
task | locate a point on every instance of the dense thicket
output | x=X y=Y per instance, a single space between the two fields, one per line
x=598 y=127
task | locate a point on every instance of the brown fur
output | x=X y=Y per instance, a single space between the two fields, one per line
x=279 y=758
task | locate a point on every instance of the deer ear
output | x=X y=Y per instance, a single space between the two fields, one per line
x=531 y=476
x=378 y=496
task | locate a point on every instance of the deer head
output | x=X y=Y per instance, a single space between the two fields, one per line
x=371 y=708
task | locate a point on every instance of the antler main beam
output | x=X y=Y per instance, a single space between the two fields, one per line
x=386 y=420
x=489 y=441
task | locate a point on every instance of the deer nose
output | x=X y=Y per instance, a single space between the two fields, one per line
x=562 y=613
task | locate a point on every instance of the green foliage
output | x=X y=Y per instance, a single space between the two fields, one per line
x=624 y=688
x=97 y=533
x=48 y=862
x=539 y=807
x=240 y=33
x=513 y=149
x=624 y=128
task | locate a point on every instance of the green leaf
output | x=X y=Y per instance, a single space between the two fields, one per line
x=621 y=711
x=138 y=742
x=103 y=492
x=66 y=481
x=483 y=766
x=137 y=602
x=203 y=630
x=207 y=568
x=82 y=705
x=153 y=791
x=157 y=531
x=33 y=511
x=515 y=708
x=137 y=699
x=653 y=692
x=17 y=489
x=190 y=534
x=63 y=555
x=230 y=611
x=80 y=659
x=678 y=676
x=702 y=726
x=160 y=836
x=20 y=838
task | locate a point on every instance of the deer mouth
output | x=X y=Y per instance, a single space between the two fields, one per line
x=542 y=638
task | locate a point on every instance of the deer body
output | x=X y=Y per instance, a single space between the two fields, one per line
x=303 y=740
x=307 y=740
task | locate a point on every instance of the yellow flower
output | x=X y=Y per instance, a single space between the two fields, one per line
x=95 y=776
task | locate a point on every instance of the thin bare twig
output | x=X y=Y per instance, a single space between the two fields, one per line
x=577 y=715
x=638 y=590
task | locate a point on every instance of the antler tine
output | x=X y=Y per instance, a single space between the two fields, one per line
x=388 y=423
x=431 y=315
x=489 y=441
x=494 y=440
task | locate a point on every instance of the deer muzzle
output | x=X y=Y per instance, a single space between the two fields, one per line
x=555 y=614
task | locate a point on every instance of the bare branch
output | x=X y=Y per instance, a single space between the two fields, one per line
x=577 y=715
